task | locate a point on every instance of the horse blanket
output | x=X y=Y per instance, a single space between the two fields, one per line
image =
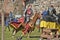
x=17 y=24
x=26 y=29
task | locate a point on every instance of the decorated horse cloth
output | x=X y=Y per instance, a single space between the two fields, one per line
x=49 y=22
x=26 y=29
x=43 y=24
x=17 y=24
x=51 y=25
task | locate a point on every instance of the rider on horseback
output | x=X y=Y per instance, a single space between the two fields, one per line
x=28 y=13
x=51 y=17
x=52 y=12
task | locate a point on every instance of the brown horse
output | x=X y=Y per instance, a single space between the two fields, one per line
x=31 y=23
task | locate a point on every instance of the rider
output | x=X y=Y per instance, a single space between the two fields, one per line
x=28 y=13
x=52 y=11
x=52 y=14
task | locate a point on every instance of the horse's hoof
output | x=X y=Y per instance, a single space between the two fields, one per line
x=19 y=38
x=12 y=36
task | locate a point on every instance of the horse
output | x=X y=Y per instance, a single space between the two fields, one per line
x=48 y=21
x=31 y=23
x=17 y=25
x=29 y=27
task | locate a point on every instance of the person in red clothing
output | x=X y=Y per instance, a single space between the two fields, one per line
x=28 y=13
x=26 y=29
x=21 y=19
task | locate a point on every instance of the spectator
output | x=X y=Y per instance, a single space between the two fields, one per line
x=10 y=15
x=7 y=24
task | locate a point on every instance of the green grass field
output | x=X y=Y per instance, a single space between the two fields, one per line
x=8 y=35
x=0 y=33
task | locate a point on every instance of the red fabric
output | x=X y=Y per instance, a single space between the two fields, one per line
x=21 y=19
x=26 y=29
x=28 y=11
x=15 y=25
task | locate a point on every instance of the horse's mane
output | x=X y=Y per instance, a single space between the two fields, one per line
x=35 y=17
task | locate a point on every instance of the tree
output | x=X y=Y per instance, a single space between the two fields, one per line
x=2 y=15
x=2 y=21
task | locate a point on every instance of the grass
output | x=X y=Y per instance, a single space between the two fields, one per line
x=8 y=35
x=0 y=32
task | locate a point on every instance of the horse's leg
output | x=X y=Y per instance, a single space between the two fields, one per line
x=14 y=32
x=20 y=38
x=42 y=29
x=29 y=32
x=38 y=28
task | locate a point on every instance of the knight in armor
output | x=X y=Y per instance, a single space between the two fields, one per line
x=28 y=13
x=52 y=11
x=51 y=8
x=51 y=17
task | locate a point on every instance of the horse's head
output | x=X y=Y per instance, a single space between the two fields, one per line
x=38 y=15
